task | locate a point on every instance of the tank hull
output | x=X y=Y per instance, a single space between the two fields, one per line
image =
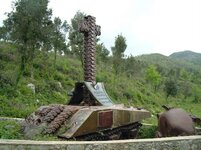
x=86 y=122
x=98 y=118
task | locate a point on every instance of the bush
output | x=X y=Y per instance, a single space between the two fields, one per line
x=55 y=86
x=59 y=76
x=147 y=132
x=10 y=130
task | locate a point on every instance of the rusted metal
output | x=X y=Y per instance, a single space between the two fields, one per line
x=105 y=119
x=94 y=119
x=44 y=111
x=53 y=116
x=84 y=94
x=175 y=122
x=60 y=119
x=53 y=113
x=121 y=132
x=90 y=30
x=90 y=114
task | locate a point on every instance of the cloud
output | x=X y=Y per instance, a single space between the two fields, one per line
x=4 y=7
x=171 y=26
x=150 y=26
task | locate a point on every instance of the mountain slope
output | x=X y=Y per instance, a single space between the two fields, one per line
x=189 y=56
x=156 y=59
x=53 y=82
x=187 y=60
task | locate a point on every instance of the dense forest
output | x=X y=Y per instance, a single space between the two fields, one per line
x=46 y=53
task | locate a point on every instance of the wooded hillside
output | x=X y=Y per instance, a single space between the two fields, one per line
x=46 y=54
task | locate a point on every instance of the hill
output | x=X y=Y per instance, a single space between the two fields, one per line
x=130 y=86
x=189 y=56
x=157 y=59
x=187 y=60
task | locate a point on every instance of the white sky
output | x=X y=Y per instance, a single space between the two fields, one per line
x=150 y=26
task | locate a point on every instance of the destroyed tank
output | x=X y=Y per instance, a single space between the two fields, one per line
x=90 y=114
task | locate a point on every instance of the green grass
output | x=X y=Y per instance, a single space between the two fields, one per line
x=13 y=130
x=54 y=82
x=10 y=130
x=147 y=132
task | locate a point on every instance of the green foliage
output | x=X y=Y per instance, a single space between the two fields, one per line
x=26 y=25
x=184 y=75
x=196 y=77
x=30 y=27
x=10 y=130
x=48 y=137
x=13 y=130
x=128 y=84
x=196 y=94
x=36 y=43
x=76 y=39
x=171 y=88
x=188 y=56
x=132 y=67
x=54 y=82
x=186 y=88
x=157 y=60
x=101 y=53
x=119 y=46
x=147 y=132
x=118 y=52
x=153 y=76
x=58 y=37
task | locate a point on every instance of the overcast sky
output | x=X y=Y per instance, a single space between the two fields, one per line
x=150 y=26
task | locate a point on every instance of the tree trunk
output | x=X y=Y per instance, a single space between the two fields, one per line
x=21 y=71
x=55 y=57
x=31 y=70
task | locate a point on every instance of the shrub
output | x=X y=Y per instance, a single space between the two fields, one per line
x=147 y=132
x=10 y=130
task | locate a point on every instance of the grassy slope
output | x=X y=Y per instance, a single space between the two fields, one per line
x=21 y=101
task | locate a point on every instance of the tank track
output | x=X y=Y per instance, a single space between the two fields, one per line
x=59 y=119
x=53 y=115
x=90 y=30
x=124 y=132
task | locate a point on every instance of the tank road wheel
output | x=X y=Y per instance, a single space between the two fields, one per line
x=124 y=132
x=115 y=136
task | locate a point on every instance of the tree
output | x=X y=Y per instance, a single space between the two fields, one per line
x=132 y=66
x=196 y=77
x=76 y=39
x=3 y=33
x=101 y=52
x=184 y=75
x=171 y=87
x=118 y=52
x=58 y=37
x=153 y=76
x=26 y=27
x=185 y=88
